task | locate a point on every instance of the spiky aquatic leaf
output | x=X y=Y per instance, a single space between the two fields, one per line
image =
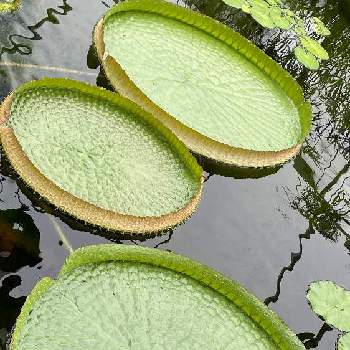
x=116 y=166
x=344 y=342
x=320 y=27
x=122 y=297
x=306 y=58
x=314 y=47
x=331 y=302
x=207 y=114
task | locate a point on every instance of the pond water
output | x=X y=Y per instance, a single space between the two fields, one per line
x=275 y=235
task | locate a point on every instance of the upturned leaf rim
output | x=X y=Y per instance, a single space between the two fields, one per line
x=81 y=209
x=198 y=143
x=266 y=319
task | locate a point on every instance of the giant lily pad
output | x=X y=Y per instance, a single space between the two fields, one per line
x=221 y=95
x=128 y=297
x=99 y=157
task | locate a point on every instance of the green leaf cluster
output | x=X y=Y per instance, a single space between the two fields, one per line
x=9 y=6
x=332 y=303
x=271 y=14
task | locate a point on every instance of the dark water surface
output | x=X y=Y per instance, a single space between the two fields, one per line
x=274 y=235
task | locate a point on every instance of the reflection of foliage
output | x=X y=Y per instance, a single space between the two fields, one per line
x=23 y=49
x=11 y=5
x=271 y=14
x=19 y=240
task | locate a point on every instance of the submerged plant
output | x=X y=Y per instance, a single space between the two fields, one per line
x=118 y=296
x=271 y=14
x=99 y=157
x=332 y=303
x=201 y=80
x=9 y=6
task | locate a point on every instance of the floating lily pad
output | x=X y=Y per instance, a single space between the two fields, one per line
x=331 y=302
x=99 y=157
x=115 y=296
x=344 y=342
x=221 y=95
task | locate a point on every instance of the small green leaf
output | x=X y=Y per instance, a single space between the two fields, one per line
x=306 y=58
x=246 y=7
x=235 y=3
x=332 y=303
x=314 y=47
x=260 y=11
x=320 y=27
x=344 y=342
x=274 y=2
x=280 y=18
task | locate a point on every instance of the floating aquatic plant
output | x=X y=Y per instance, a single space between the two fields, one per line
x=9 y=6
x=199 y=78
x=98 y=156
x=117 y=296
x=332 y=303
x=272 y=14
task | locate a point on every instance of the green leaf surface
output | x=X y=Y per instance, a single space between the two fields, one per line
x=122 y=297
x=235 y=3
x=205 y=84
x=306 y=58
x=260 y=11
x=344 y=342
x=280 y=18
x=320 y=27
x=9 y=6
x=113 y=155
x=331 y=302
x=314 y=47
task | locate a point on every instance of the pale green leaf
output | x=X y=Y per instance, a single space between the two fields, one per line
x=280 y=18
x=320 y=27
x=246 y=7
x=331 y=302
x=306 y=58
x=344 y=342
x=260 y=11
x=314 y=47
x=235 y=3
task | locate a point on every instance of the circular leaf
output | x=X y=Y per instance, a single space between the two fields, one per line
x=220 y=113
x=331 y=302
x=123 y=297
x=99 y=157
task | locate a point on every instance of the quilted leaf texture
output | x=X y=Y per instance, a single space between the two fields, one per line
x=331 y=302
x=221 y=95
x=99 y=157
x=129 y=297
